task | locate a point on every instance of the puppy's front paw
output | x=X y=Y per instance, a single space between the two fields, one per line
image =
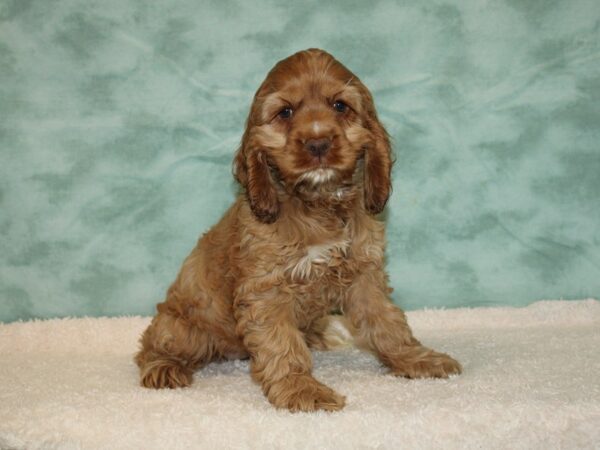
x=304 y=393
x=422 y=362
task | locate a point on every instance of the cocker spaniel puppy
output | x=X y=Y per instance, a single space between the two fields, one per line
x=300 y=241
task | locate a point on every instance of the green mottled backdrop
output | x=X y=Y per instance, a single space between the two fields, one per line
x=119 y=118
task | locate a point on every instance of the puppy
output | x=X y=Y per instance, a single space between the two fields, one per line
x=300 y=241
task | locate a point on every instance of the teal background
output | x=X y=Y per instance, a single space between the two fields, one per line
x=119 y=119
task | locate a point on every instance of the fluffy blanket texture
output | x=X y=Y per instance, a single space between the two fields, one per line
x=531 y=380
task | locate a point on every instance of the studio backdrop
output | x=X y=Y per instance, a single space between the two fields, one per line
x=119 y=120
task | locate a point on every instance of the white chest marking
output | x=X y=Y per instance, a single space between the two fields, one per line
x=316 y=255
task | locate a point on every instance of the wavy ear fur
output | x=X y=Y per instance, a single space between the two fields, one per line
x=378 y=160
x=252 y=171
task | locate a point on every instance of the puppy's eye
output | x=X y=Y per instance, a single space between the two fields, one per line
x=285 y=113
x=340 y=106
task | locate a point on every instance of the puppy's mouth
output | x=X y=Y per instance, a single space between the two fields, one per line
x=322 y=182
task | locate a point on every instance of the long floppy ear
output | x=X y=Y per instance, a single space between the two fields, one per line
x=251 y=170
x=378 y=160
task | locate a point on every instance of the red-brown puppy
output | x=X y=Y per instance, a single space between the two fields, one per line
x=300 y=242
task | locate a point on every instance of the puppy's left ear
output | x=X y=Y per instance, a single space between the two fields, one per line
x=378 y=159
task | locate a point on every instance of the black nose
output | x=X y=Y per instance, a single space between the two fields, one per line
x=317 y=147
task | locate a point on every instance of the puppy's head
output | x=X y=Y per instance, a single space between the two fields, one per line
x=310 y=124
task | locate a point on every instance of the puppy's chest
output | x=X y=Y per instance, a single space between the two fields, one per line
x=326 y=262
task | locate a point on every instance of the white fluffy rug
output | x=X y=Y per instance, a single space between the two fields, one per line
x=531 y=380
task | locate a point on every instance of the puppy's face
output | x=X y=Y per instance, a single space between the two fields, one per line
x=310 y=124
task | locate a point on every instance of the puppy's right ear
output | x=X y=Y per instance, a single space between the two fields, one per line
x=251 y=170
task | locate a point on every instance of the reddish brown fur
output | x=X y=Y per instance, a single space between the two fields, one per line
x=295 y=246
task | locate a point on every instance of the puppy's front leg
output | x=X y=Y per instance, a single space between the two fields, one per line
x=280 y=359
x=382 y=327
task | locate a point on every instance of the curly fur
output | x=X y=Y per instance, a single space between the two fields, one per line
x=300 y=242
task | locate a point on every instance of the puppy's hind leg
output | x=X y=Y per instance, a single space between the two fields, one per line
x=172 y=348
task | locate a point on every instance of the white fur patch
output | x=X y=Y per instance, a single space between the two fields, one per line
x=336 y=333
x=316 y=255
x=317 y=176
x=339 y=193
